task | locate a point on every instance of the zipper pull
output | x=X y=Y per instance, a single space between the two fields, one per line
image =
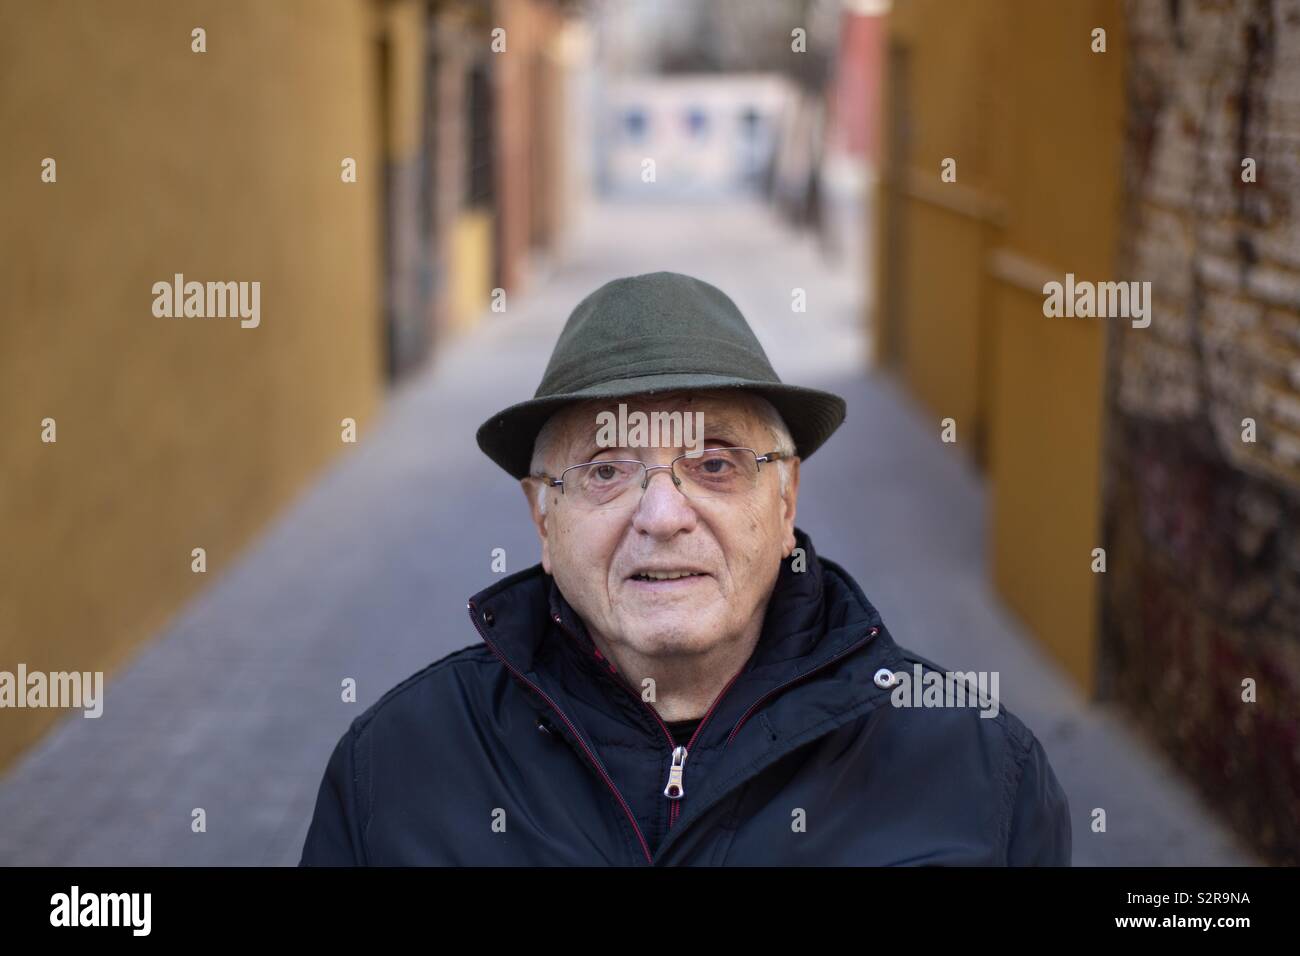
x=674 y=789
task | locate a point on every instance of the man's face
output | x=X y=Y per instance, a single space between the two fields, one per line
x=732 y=544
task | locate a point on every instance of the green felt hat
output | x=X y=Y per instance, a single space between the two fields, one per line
x=658 y=332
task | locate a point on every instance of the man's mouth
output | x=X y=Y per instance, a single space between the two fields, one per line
x=665 y=575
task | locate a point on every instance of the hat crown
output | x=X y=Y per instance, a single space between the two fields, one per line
x=648 y=334
x=653 y=324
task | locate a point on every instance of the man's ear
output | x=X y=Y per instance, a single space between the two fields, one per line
x=789 y=503
x=535 y=491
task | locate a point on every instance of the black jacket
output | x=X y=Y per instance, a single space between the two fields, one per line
x=527 y=749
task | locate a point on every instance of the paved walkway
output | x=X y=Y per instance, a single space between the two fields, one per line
x=236 y=707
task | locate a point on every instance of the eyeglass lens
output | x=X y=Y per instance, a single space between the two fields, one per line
x=716 y=473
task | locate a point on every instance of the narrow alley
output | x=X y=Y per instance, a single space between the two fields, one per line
x=236 y=706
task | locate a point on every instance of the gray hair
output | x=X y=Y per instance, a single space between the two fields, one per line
x=765 y=410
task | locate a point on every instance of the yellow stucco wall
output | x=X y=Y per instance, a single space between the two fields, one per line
x=1012 y=90
x=403 y=22
x=942 y=347
x=471 y=272
x=1059 y=177
x=173 y=433
x=1044 y=494
x=933 y=266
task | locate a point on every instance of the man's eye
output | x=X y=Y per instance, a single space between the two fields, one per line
x=712 y=466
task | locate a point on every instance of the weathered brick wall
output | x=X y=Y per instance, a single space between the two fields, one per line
x=1202 y=526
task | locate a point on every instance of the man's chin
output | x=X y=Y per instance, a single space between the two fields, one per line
x=673 y=618
x=661 y=633
x=667 y=644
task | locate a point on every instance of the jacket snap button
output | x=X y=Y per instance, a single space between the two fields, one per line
x=884 y=677
x=489 y=618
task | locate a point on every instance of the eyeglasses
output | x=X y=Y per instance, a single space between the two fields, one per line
x=713 y=473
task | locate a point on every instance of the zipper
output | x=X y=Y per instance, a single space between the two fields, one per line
x=871 y=633
x=675 y=789
x=675 y=809
x=794 y=680
x=645 y=847
x=677 y=769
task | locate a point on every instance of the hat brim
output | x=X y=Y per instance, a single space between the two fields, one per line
x=810 y=414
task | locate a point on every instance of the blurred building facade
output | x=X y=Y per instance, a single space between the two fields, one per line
x=1122 y=164
x=727 y=96
x=708 y=136
x=230 y=163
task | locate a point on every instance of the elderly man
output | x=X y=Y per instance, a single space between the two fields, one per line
x=681 y=680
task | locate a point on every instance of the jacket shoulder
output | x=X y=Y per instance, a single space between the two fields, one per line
x=412 y=710
x=1014 y=731
x=1034 y=817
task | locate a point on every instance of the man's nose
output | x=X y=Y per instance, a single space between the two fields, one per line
x=663 y=510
